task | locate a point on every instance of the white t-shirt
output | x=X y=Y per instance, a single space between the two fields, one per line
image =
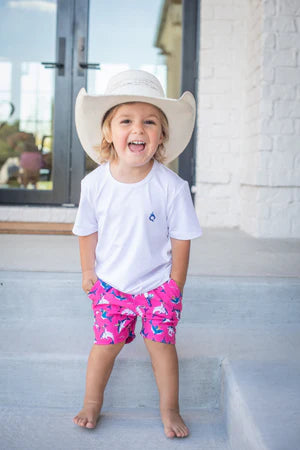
x=135 y=222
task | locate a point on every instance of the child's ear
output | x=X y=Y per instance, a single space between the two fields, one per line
x=107 y=137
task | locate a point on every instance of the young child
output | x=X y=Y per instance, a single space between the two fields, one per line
x=135 y=221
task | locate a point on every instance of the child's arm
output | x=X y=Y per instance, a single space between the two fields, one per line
x=87 y=245
x=180 y=261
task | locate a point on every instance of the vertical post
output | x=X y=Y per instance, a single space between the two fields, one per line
x=80 y=54
x=189 y=75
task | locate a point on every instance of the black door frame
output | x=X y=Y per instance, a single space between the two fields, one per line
x=69 y=164
x=189 y=79
x=62 y=121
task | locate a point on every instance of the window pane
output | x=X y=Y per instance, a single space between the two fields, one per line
x=28 y=29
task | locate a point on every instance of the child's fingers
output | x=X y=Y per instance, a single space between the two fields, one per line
x=87 y=286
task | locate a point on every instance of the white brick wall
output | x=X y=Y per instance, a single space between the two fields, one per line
x=248 y=143
x=219 y=113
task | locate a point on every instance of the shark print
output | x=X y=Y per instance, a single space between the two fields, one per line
x=104 y=315
x=116 y=313
x=105 y=286
x=121 y=324
x=177 y=312
x=103 y=301
x=176 y=300
x=140 y=311
x=128 y=312
x=148 y=297
x=171 y=331
x=160 y=309
x=107 y=335
x=119 y=297
x=156 y=329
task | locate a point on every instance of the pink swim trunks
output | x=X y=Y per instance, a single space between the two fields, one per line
x=115 y=313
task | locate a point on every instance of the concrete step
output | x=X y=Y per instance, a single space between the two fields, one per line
x=61 y=381
x=214 y=300
x=118 y=429
x=46 y=335
x=263 y=405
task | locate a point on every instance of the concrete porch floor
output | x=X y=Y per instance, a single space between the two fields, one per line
x=238 y=344
x=219 y=252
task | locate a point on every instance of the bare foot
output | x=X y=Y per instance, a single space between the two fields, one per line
x=173 y=424
x=89 y=415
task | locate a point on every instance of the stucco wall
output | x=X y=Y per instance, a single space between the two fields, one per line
x=248 y=147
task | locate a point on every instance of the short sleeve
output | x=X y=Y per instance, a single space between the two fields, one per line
x=182 y=219
x=86 y=221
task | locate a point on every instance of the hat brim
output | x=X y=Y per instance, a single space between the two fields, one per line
x=90 y=110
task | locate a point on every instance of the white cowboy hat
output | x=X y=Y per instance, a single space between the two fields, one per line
x=134 y=86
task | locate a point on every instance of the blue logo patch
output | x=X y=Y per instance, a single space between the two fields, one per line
x=152 y=217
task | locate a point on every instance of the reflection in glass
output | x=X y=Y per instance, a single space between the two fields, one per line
x=122 y=35
x=26 y=93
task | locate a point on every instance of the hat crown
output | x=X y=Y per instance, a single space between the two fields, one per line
x=135 y=82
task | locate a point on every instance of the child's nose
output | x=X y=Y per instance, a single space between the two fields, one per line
x=138 y=127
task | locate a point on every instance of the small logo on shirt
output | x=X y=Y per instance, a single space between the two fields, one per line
x=152 y=217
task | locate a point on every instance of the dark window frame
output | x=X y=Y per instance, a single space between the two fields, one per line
x=189 y=79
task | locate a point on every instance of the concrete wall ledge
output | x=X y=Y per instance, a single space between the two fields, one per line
x=26 y=213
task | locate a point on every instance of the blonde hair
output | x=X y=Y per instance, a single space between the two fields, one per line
x=106 y=148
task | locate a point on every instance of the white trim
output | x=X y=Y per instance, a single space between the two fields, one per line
x=37 y=214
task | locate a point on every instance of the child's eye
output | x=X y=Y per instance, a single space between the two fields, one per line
x=150 y=122
x=125 y=121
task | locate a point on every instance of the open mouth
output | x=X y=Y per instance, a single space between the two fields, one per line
x=136 y=146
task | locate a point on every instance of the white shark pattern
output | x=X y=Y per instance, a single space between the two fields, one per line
x=171 y=331
x=177 y=312
x=107 y=335
x=139 y=310
x=121 y=325
x=103 y=301
x=128 y=312
x=160 y=309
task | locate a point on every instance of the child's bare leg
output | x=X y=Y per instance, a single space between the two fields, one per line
x=100 y=365
x=165 y=367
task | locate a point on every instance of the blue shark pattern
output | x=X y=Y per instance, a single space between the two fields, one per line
x=148 y=297
x=104 y=315
x=119 y=297
x=177 y=312
x=105 y=286
x=93 y=291
x=176 y=300
x=156 y=330
x=121 y=324
x=167 y=320
x=171 y=331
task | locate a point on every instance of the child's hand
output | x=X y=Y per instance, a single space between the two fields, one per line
x=89 y=278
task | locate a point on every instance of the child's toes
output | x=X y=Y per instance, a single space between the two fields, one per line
x=90 y=425
x=183 y=431
x=82 y=422
x=169 y=432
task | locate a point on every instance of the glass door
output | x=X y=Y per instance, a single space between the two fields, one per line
x=134 y=34
x=35 y=90
x=50 y=49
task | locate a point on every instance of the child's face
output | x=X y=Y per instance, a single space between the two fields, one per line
x=136 y=132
